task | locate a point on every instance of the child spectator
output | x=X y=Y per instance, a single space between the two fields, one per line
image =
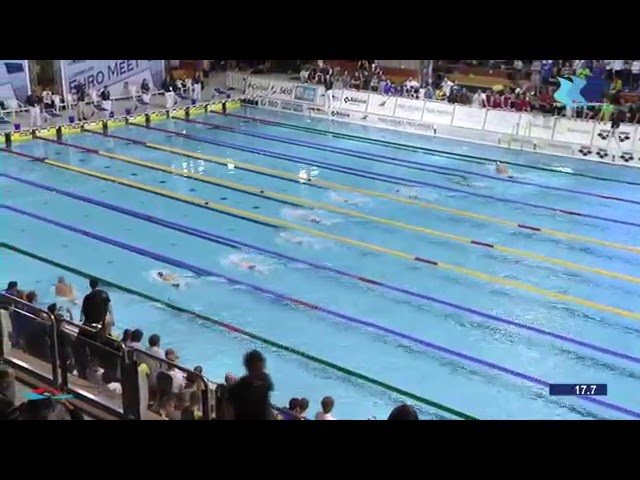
x=327 y=404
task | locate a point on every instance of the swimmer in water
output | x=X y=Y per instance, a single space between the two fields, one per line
x=65 y=290
x=250 y=266
x=169 y=277
x=501 y=170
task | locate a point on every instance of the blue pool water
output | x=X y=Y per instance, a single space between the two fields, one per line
x=413 y=332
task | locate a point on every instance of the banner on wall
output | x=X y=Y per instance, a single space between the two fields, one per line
x=409 y=108
x=14 y=80
x=574 y=131
x=95 y=74
x=536 y=126
x=437 y=112
x=281 y=90
x=381 y=105
x=256 y=86
x=353 y=100
x=468 y=117
x=501 y=121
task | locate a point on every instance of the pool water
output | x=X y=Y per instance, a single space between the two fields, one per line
x=361 y=272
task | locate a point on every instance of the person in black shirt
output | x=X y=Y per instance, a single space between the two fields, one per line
x=81 y=94
x=34 y=102
x=249 y=396
x=95 y=306
x=168 y=86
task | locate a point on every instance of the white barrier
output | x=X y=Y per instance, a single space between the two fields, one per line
x=381 y=105
x=574 y=131
x=438 y=112
x=502 y=121
x=423 y=116
x=409 y=109
x=469 y=117
x=236 y=80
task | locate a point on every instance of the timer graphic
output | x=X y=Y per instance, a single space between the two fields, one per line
x=578 y=389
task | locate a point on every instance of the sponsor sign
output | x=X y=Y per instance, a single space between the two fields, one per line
x=381 y=105
x=468 y=117
x=355 y=101
x=438 y=113
x=14 y=80
x=281 y=90
x=340 y=114
x=269 y=103
x=409 y=108
x=260 y=87
x=626 y=134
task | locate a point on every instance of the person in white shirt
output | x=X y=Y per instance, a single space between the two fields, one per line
x=179 y=378
x=154 y=346
x=476 y=101
x=136 y=339
x=447 y=85
x=327 y=404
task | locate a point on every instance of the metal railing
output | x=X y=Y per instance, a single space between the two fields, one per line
x=96 y=367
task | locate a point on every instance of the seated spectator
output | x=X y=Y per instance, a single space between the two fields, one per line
x=194 y=410
x=616 y=85
x=136 y=339
x=357 y=80
x=249 y=396
x=429 y=93
x=294 y=406
x=12 y=288
x=230 y=379
x=403 y=412
x=167 y=407
x=521 y=103
x=441 y=94
x=303 y=407
x=375 y=83
x=327 y=405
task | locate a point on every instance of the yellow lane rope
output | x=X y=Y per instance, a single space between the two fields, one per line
x=396 y=198
x=281 y=223
x=306 y=203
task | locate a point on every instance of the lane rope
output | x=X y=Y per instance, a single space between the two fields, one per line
x=386 y=178
x=296 y=201
x=262 y=219
x=409 y=164
x=235 y=244
x=239 y=331
x=463 y=157
x=293 y=301
x=372 y=193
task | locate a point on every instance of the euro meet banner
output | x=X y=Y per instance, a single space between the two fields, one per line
x=95 y=74
x=14 y=80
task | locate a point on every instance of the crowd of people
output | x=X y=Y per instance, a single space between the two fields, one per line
x=94 y=355
x=530 y=88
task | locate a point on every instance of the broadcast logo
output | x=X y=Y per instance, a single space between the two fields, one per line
x=43 y=393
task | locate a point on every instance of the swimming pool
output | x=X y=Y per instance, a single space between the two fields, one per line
x=404 y=272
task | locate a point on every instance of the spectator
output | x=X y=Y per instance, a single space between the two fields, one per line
x=618 y=68
x=304 y=406
x=7 y=384
x=476 y=101
x=126 y=337
x=403 y=412
x=64 y=289
x=294 y=406
x=169 y=91
x=536 y=78
x=250 y=395
x=96 y=305
x=80 y=97
x=136 y=339
x=616 y=85
x=145 y=92
x=105 y=97
x=179 y=379
x=194 y=410
x=47 y=99
x=429 y=94
x=154 y=346
x=197 y=86
x=167 y=407
x=327 y=405
x=230 y=379
x=12 y=288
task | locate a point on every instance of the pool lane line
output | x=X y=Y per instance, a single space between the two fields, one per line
x=387 y=178
x=299 y=202
x=238 y=244
x=372 y=193
x=239 y=331
x=405 y=163
x=463 y=157
x=294 y=301
x=265 y=220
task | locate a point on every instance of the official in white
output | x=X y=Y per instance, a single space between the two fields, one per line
x=169 y=92
x=33 y=104
x=197 y=86
x=105 y=97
